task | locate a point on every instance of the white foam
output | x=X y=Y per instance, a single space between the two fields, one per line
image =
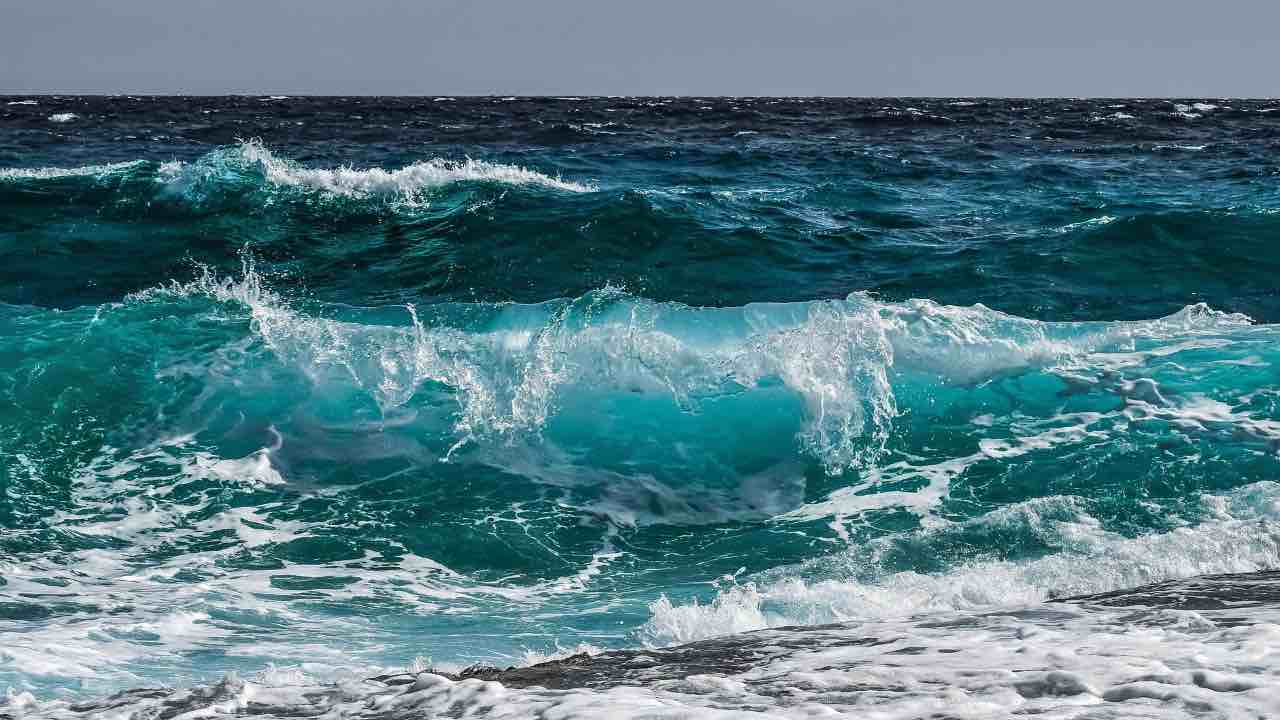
x=1193 y=111
x=1244 y=537
x=1198 y=413
x=536 y=657
x=63 y=117
x=1062 y=663
x=1090 y=223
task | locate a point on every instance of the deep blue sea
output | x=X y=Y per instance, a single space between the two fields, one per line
x=739 y=407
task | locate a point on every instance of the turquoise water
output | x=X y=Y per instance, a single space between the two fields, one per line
x=399 y=383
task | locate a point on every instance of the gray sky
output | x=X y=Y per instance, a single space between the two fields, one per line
x=612 y=47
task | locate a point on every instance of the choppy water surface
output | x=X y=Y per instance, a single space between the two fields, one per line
x=298 y=392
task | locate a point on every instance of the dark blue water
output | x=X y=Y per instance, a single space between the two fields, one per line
x=339 y=386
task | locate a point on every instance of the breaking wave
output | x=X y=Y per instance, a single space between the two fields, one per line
x=511 y=367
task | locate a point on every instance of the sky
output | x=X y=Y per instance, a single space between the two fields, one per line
x=1182 y=48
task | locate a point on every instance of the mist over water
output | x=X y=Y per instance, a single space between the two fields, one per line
x=297 y=392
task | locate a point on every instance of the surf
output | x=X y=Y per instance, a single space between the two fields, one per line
x=781 y=405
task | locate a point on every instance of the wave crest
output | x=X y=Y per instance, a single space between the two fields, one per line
x=511 y=367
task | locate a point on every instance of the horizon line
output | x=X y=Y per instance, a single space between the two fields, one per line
x=585 y=96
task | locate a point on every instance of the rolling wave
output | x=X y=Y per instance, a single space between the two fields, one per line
x=250 y=165
x=465 y=229
x=406 y=183
x=52 y=173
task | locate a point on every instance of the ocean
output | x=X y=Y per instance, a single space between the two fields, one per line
x=639 y=407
